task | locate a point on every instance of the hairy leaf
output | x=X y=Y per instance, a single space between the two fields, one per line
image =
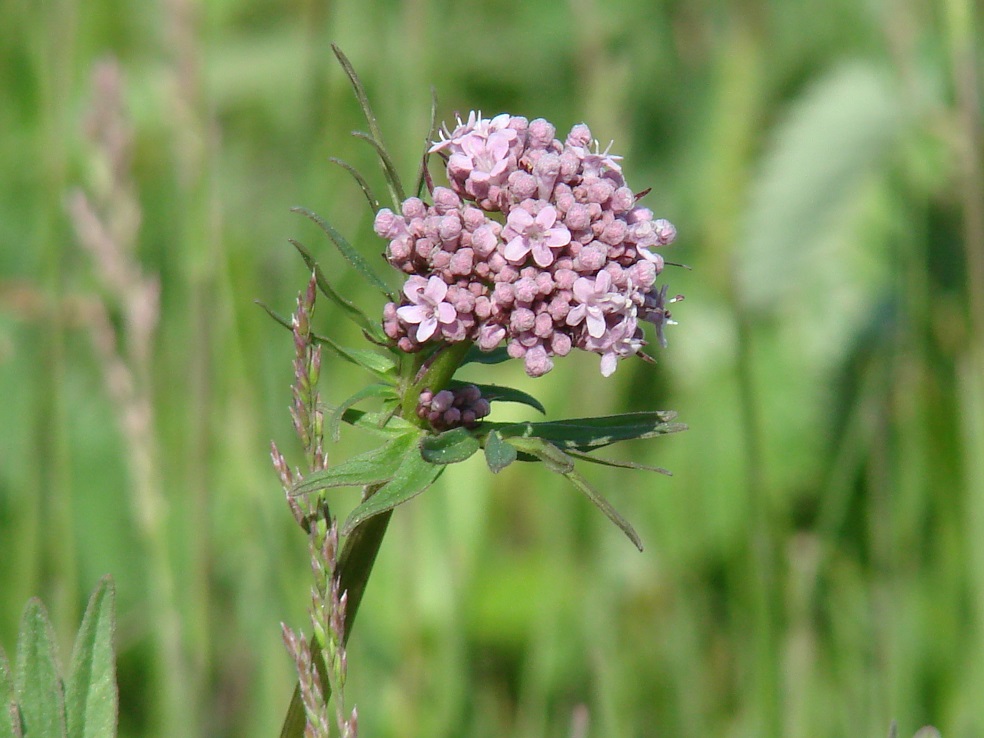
x=36 y=679
x=91 y=696
x=372 y=467
x=413 y=476
x=366 y=190
x=449 y=447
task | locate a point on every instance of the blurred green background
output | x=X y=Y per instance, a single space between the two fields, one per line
x=815 y=567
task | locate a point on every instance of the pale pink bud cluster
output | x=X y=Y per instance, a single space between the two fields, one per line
x=464 y=406
x=537 y=243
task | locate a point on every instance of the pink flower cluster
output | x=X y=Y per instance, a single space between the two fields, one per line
x=538 y=242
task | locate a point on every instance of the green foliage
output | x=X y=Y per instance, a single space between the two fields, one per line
x=36 y=700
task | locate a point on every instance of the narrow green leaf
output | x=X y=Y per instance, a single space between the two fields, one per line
x=584 y=434
x=37 y=683
x=348 y=308
x=498 y=453
x=554 y=459
x=477 y=356
x=431 y=134
x=351 y=255
x=620 y=464
x=497 y=393
x=373 y=390
x=8 y=706
x=449 y=447
x=389 y=168
x=413 y=477
x=363 y=185
x=384 y=424
x=605 y=506
x=91 y=697
x=372 y=467
x=393 y=181
x=382 y=366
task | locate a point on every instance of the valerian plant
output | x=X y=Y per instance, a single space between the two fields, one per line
x=536 y=247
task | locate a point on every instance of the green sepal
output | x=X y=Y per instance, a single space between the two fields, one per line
x=37 y=683
x=585 y=434
x=372 y=467
x=363 y=184
x=382 y=366
x=620 y=464
x=497 y=393
x=498 y=453
x=91 y=697
x=412 y=477
x=605 y=506
x=350 y=311
x=449 y=447
x=345 y=248
x=476 y=356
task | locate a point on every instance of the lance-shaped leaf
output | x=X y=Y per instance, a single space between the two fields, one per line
x=348 y=308
x=383 y=391
x=372 y=467
x=364 y=186
x=37 y=683
x=584 y=434
x=384 y=424
x=351 y=255
x=90 y=692
x=389 y=168
x=620 y=464
x=431 y=135
x=498 y=453
x=561 y=463
x=554 y=459
x=605 y=506
x=497 y=393
x=413 y=476
x=382 y=366
x=449 y=447
x=392 y=179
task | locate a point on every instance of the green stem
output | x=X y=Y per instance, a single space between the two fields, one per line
x=355 y=563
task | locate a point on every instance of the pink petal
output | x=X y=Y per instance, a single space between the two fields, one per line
x=516 y=249
x=519 y=220
x=596 y=324
x=412 y=313
x=609 y=362
x=546 y=217
x=436 y=290
x=426 y=329
x=446 y=313
x=542 y=254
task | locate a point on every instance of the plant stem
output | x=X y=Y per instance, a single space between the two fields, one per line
x=355 y=563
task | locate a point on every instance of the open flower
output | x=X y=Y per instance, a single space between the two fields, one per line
x=427 y=308
x=540 y=234
x=595 y=298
